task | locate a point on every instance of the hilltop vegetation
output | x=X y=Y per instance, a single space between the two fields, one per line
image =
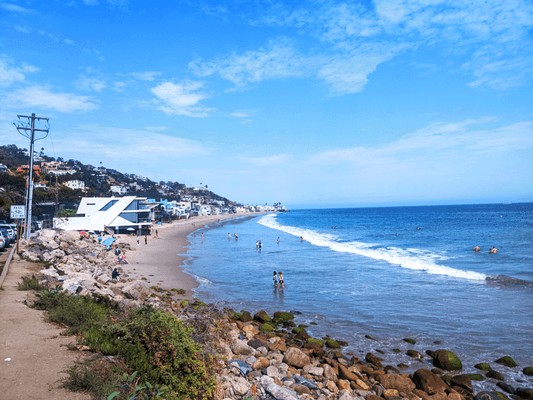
x=51 y=193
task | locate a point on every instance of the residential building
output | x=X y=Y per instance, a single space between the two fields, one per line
x=112 y=214
x=3 y=168
x=75 y=184
x=117 y=189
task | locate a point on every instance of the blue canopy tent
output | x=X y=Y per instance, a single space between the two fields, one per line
x=108 y=242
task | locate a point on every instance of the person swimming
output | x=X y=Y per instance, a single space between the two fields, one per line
x=494 y=250
x=275 y=279
x=476 y=248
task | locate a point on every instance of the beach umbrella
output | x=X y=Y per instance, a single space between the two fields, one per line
x=130 y=229
x=83 y=233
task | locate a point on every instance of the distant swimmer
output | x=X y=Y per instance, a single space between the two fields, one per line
x=275 y=279
x=302 y=238
x=476 y=248
x=236 y=235
x=257 y=244
x=494 y=250
x=278 y=239
x=229 y=236
x=281 y=283
x=260 y=245
x=417 y=228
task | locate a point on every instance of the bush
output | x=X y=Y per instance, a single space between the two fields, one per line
x=30 y=284
x=91 y=376
x=159 y=347
x=79 y=313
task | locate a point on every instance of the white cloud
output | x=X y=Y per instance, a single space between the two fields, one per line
x=68 y=41
x=43 y=98
x=180 y=99
x=278 y=59
x=10 y=74
x=156 y=128
x=23 y=29
x=16 y=8
x=340 y=39
x=239 y=114
x=144 y=76
x=85 y=83
x=90 y=2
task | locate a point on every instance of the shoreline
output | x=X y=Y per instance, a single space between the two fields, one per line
x=162 y=260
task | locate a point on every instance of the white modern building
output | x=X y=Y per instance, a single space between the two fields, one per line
x=121 y=190
x=75 y=184
x=112 y=214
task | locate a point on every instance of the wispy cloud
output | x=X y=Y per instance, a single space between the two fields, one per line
x=9 y=73
x=277 y=59
x=16 y=8
x=343 y=43
x=180 y=98
x=91 y=84
x=143 y=76
x=239 y=114
x=43 y=98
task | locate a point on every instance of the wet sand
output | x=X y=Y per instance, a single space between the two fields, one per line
x=158 y=260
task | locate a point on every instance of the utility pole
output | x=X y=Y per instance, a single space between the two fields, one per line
x=27 y=129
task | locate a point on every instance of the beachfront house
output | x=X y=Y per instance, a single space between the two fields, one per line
x=118 y=189
x=111 y=214
x=75 y=184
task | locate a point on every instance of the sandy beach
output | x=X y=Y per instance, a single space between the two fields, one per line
x=158 y=260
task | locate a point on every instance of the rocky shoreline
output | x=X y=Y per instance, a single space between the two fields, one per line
x=262 y=356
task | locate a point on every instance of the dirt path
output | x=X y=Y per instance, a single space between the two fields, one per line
x=37 y=352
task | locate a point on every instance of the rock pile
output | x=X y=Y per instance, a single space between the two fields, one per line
x=84 y=267
x=288 y=364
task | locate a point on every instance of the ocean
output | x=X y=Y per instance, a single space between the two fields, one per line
x=389 y=272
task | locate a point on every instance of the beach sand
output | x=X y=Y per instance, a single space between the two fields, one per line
x=158 y=260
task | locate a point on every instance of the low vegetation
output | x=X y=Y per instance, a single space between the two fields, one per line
x=151 y=344
x=30 y=284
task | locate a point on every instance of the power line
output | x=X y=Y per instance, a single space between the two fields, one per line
x=27 y=129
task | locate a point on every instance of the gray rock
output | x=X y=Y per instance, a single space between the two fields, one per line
x=505 y=386
x=241 y=365
x=272 y=371
x=241 y=347
x=296 y=358
x=137 y=290
x=303 y=381
x=280 y=393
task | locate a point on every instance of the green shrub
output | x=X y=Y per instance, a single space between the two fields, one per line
x=91 y=376
x=30 y=284
x=79 y=313
x=159 y=347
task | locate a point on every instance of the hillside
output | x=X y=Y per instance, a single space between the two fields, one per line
x=59 y=184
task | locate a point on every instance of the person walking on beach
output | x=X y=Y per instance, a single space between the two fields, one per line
x=156 y=233
x=145 y=239
x=275 y=279
x=138 y=242
x=281 y=283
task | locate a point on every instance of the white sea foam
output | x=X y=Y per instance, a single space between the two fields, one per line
x=414 y=259
x=203 y=281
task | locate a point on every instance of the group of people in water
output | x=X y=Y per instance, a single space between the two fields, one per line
x=279 y=283
x=494 y=250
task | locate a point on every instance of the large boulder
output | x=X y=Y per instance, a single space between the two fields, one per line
x=447 y=360
x=507 y=361
x=296 y=358
x=242 y=348
x=427 y=381
x=136 y=290
x=373 y=359
x=262 y=317
x=402 y=383
x=462 y=381
x=525 y=393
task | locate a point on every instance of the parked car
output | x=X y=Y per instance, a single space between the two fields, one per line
x=12 y=231
x=6 y=237
x=3 y=242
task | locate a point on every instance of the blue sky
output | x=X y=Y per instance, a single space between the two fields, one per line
x=308 y=103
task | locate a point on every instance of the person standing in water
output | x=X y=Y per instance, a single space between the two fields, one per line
x=275 y=279
x=281 y=283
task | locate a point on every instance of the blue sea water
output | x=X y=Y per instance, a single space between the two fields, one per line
x=390 y=272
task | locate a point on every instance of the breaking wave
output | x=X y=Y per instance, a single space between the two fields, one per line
x=414 y=259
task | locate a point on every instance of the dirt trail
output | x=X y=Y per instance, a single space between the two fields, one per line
x=37 y=351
